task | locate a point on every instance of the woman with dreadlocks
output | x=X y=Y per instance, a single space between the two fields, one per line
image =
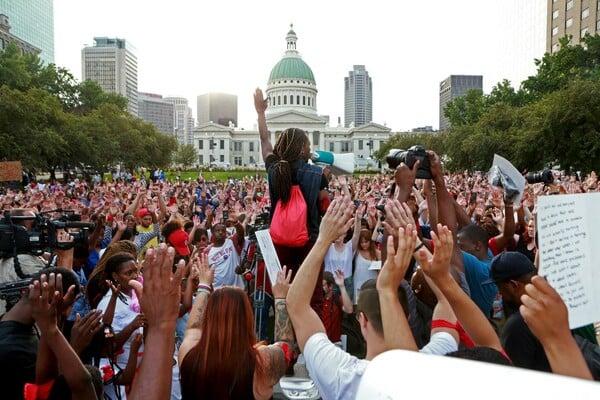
x=287 y=165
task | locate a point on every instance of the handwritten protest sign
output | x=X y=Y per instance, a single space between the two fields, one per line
x=10 y=171
x=569 y=233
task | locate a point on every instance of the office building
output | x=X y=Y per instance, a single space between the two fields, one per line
x=219 y=108
x=455 y=86
x=113 y=64
x=33 y=22
x=571 y=17
x=6 y=37
x=523 y=27
x=358 y=97
x=153 y=109
x=183 y=121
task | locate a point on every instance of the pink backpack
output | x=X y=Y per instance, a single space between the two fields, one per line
x=288 y=225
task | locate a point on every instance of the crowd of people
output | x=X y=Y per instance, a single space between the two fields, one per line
x=157 y=302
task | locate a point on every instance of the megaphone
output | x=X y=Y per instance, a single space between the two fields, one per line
x=340 y=164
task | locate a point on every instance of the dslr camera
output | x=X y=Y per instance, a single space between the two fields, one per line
x=546 y=177
x=409 y=157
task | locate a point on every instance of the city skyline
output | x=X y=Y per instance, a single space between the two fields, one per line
x=196 y=49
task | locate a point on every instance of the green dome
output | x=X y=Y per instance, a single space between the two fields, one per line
x=291 y=68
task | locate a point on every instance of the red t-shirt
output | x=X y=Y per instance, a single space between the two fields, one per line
x=332 y=317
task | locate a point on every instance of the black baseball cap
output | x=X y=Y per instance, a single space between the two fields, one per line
x=509 y=265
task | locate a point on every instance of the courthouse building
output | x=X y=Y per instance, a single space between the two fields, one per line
x=292 y=90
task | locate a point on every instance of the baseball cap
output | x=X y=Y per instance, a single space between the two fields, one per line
x=142 y=212
x=179 y=239
x=509 y=265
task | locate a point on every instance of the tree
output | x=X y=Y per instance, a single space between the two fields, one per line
x=467 y=109
x=186 y=155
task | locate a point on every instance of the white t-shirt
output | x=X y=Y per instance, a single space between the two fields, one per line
x=124 y=315
x=337 y=374
x=335 y=260
x=225 y=259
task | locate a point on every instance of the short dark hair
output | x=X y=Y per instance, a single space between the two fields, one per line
x=68 y=277
x=368 y=303
x=475 y=233
x=481 y=353
x=328 y=277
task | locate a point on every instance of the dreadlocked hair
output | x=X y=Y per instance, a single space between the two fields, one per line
x=288 y=149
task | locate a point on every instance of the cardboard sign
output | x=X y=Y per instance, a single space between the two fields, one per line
x=11 y=171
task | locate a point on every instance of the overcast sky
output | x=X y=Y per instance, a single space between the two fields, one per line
x=190 y=47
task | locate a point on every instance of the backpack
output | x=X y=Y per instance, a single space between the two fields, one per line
x=288 y=225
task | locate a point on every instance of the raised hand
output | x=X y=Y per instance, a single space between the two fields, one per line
x=161 y=293
x=397 y=216
x=84 y=329
x=44 y=300
x=206 y=273
x=260 y=103
x=282 y=283
x=396 y=264
x=338 y=277
x=438 y=267
x=544 y=311
x=337 y=220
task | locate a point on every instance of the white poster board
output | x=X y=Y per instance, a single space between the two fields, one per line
x=569 y=236
x=269 y=254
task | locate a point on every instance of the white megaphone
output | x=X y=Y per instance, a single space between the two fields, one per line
x=340 y=164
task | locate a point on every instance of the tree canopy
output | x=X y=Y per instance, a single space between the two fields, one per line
x=48 y=119
x=553 y=118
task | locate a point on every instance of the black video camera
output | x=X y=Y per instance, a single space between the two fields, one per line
x=12 y=291
x=409 y=157
x=546 y=177
x=261 y=222
x=42 y=235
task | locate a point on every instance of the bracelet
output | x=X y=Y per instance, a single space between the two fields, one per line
x=202 y=286
x=418 y=247
x=278 y=301
x=206 y=292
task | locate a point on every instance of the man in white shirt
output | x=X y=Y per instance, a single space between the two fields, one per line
x=224 y=253
x=336 y=373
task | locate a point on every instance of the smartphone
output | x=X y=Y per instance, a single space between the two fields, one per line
x=225 y=215
x=357 y=203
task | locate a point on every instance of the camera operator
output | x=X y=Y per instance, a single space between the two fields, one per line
x=18 y=337
x=27 y=264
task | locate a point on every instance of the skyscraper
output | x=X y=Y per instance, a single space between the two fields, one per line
x=358 y=97
x=523 y=27
x=183 y=121
x=33 y=22
x=219 y=108
x=7 y=37
x=113 y=64
x=455 y=86
x=157 y=111
x=571 y=17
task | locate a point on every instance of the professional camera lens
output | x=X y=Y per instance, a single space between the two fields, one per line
x=546 y=177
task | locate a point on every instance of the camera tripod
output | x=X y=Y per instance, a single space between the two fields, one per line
x=258 y=287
